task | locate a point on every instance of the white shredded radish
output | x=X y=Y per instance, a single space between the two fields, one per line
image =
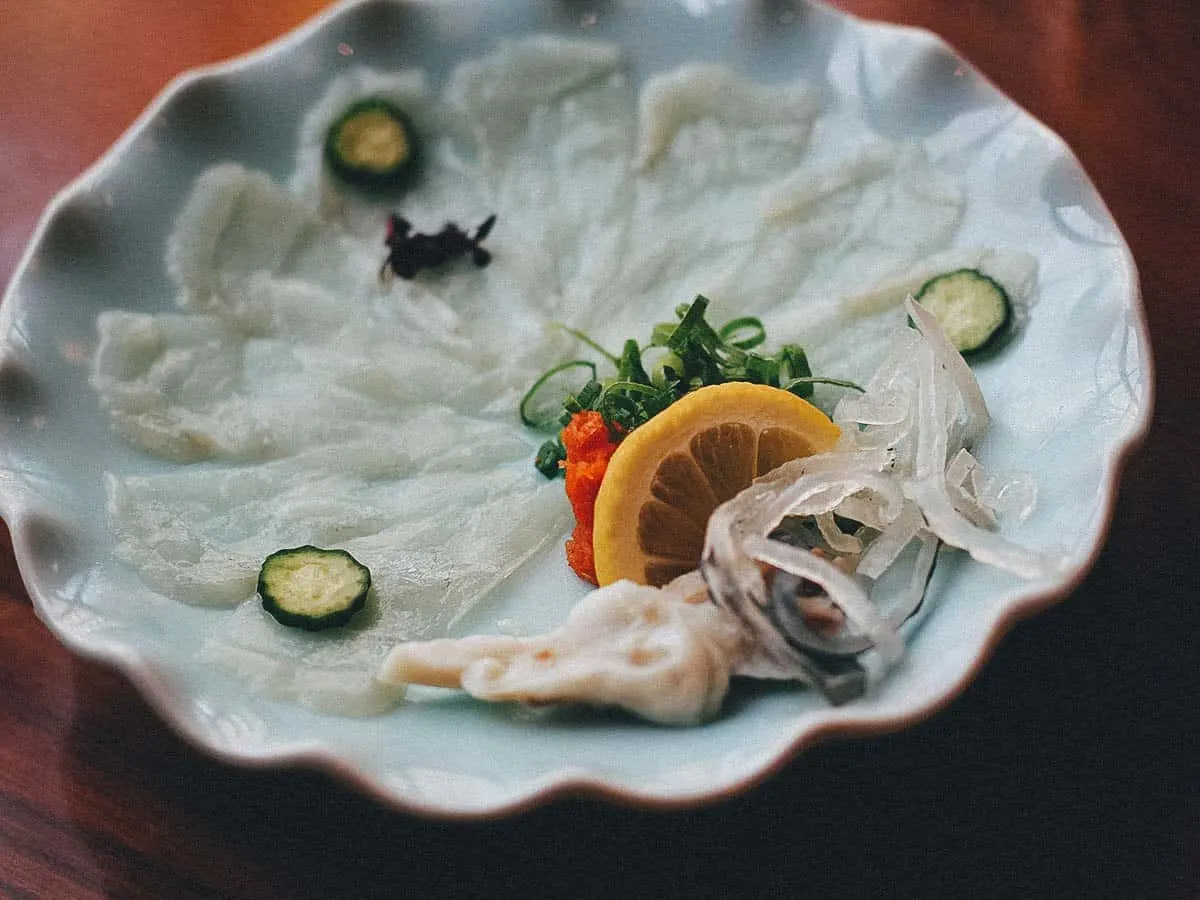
x=842 y=589
x=902 y=470
x=985 y=546
x=835 y=537
x=960 y=467
x=918 y=580
x=890 y=543
x=964 y=379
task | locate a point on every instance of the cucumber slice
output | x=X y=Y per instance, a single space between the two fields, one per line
x=311 y=588
x=973 y=309
x=372 y=145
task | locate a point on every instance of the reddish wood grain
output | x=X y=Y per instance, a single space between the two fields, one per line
x=1069 y=768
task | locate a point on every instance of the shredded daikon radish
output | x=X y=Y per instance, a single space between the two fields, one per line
x=903 y=472
x=835 y=537
x=844 y=590
x=890 y=542
x=964 y=379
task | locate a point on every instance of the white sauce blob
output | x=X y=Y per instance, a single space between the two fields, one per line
x=665 y=655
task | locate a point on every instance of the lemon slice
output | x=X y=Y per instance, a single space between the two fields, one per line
x=668 y=475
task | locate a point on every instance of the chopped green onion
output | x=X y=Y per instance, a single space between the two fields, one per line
x=729 y=332
x=580 y=336
x=528 y=419
x=548 y=458
x=693 y=355
x=629 y=366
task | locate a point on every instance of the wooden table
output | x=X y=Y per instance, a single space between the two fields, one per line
x=1069 y=768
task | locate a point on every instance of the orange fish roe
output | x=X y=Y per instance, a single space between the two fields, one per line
x=589 y=445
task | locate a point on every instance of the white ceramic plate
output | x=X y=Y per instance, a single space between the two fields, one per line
x=1070 y=397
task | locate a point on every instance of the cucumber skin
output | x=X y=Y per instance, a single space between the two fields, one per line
x=1000 y=333
x=299 y=620
x=363 y=179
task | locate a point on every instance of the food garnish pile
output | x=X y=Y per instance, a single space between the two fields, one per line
x=738 y=515
x=699 y=460
x=808 y=572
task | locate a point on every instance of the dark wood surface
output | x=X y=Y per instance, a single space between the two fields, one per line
x=1071 y=767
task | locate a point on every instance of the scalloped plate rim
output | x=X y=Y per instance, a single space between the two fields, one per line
x=19 y=512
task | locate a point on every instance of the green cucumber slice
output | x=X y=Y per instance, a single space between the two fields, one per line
x=312 y=588
x=372 y=145
x=973 y=309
